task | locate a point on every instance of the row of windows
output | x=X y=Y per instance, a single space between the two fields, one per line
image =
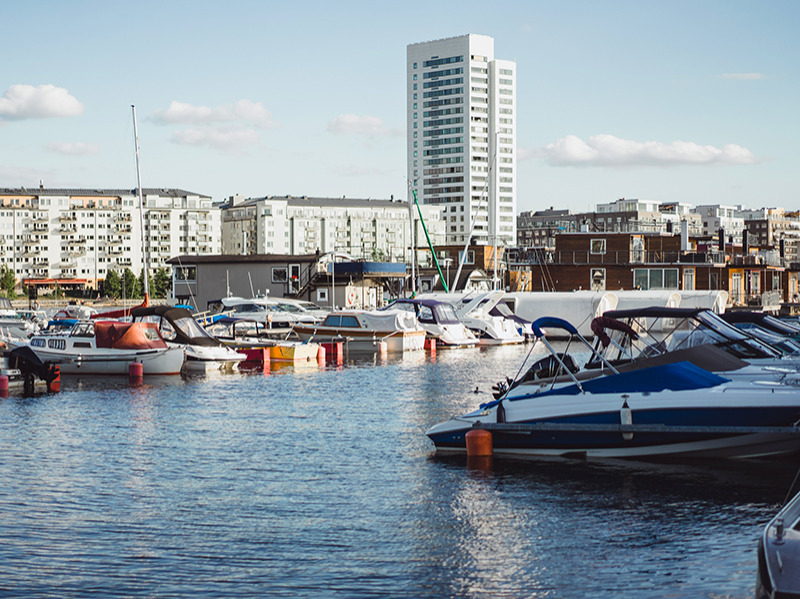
x=442 y=83
x=443 y=141
x=443 y=92
x=442 y=102
x=440 y=122
x=439 y=61
x=442 y=180
x=443 y=111
x=444 y=160
x=506 y=82
x=449 y=131
x=445 y=73
x=443 y=171
x=453 y=150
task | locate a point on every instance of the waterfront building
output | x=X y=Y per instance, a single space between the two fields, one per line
x=461 y=146
x=602 y=261
x=328 y=280
x=74 y=237
x=538 y=229
x=362 y=228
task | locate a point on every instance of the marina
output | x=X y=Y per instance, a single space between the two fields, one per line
x=318 y=480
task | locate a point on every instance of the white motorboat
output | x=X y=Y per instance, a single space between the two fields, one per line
x=673 y=409
x=15 y=324
x=363 y=330
x=203 y=353
x=439 y=320
x=474 y=310
x=267 y=310
x=108 y=347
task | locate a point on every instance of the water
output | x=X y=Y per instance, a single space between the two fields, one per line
x=321 y=483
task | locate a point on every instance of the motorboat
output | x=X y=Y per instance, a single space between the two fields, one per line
x=203 y=353
x=304 y=307
x=364 y=330
x=15 y=324
x=779 y=554
x=662 y=331
x=474 y=310
x=108 y=347
x=25 y=372
x=765 y=321
x=675 y=409
x=253 y=339
x=267 y=310
x=439 y=320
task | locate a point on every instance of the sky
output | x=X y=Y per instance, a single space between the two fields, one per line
x=691 y=101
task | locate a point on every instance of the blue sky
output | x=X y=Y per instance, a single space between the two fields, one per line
x=664 y=101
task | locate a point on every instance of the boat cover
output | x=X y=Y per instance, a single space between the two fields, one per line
x=680 y=376
x=127 y=335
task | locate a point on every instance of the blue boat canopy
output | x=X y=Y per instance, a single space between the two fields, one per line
x=552 y=322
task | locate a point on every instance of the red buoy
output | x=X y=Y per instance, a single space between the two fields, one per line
x=54 y=386
x=3 y=385
x=135 y=370
x=479 y=442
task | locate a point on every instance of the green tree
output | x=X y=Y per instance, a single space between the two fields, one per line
x=112 y=286
x=8 y=281
x=130 y=284
x=161 y=283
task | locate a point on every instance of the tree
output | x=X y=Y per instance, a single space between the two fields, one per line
x=130 y=284
x=112 y=286
x=161 y=283
x=8 y=281
x=142 y=286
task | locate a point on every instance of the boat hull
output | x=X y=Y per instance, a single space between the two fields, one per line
x=572 y=429
x=364 y=341
x=167 y=361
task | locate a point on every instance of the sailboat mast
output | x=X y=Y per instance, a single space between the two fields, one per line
x=145 y=263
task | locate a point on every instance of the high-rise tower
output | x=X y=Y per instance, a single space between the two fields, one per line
x=462 y=118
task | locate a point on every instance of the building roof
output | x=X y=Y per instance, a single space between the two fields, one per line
x=240 y=258
x=328 y=202
x=66 y=191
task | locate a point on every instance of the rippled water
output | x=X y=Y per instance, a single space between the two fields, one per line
x=315 y=482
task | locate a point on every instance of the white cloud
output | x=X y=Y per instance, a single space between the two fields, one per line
x=608 y=150
x=361 y=125
x=225 y=139
x=73 y=149
x=743 y=76
x=45 y=101
x=180 y=113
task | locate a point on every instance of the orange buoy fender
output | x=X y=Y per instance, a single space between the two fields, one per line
x=135 y=370
x=479 y=442
x=3 y=383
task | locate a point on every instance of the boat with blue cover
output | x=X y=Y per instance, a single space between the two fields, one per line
x=665 y=409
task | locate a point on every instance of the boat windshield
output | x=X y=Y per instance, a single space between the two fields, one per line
x=446 y=314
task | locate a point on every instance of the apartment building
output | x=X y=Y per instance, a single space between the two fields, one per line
x=363 y=228
x=461 y=147
x=76 y=236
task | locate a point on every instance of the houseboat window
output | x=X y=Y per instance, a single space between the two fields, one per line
x=38 y=343
x=56 y=343
x=332 y=321
x=280 y=275
x=598 y=246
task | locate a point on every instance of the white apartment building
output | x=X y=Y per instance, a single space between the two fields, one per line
x=369 y=229
x=76 y=236
x=462 y=122
x=715 y=217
